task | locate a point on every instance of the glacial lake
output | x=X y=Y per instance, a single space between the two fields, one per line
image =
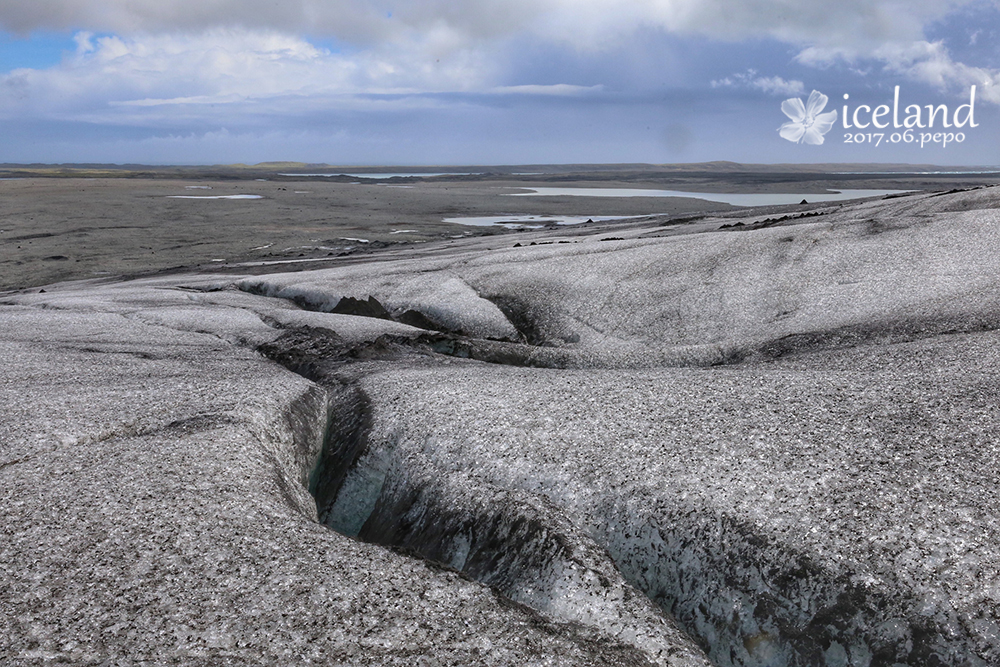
x=391 y=175
x=735 y=199
x=215 y=197
x=532 y=221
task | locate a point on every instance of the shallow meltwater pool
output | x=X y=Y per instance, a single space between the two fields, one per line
x=215 y=197
x=387 y=175
x=532 y=221
x=735 y=199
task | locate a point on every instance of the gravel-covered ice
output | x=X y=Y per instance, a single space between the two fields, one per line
x=153 y=490
x=779 y=439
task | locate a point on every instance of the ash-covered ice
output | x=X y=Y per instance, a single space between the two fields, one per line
x=760 y=446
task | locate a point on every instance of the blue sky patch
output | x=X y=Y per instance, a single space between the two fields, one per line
x=37 y=51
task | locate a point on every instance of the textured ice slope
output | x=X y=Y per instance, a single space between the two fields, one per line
x=832 y=507
x=897 y=267
x=784 y=437
x=153 y=476
x=788 y=514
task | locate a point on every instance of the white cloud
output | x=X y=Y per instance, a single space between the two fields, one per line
x=113 y=77
x=856 y=24
x=773 y=85
x=358 y=22
x=930 y=62
x=182 y=68
x=919 y=60
x=778 y=86
x=558 y=89
x=824 y=56
x=427 y=42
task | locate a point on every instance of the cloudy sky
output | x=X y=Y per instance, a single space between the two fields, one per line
x=487 y=81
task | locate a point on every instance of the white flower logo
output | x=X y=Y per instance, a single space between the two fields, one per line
x=808 y=124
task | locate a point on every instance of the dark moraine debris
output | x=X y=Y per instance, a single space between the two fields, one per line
x=370 y=307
